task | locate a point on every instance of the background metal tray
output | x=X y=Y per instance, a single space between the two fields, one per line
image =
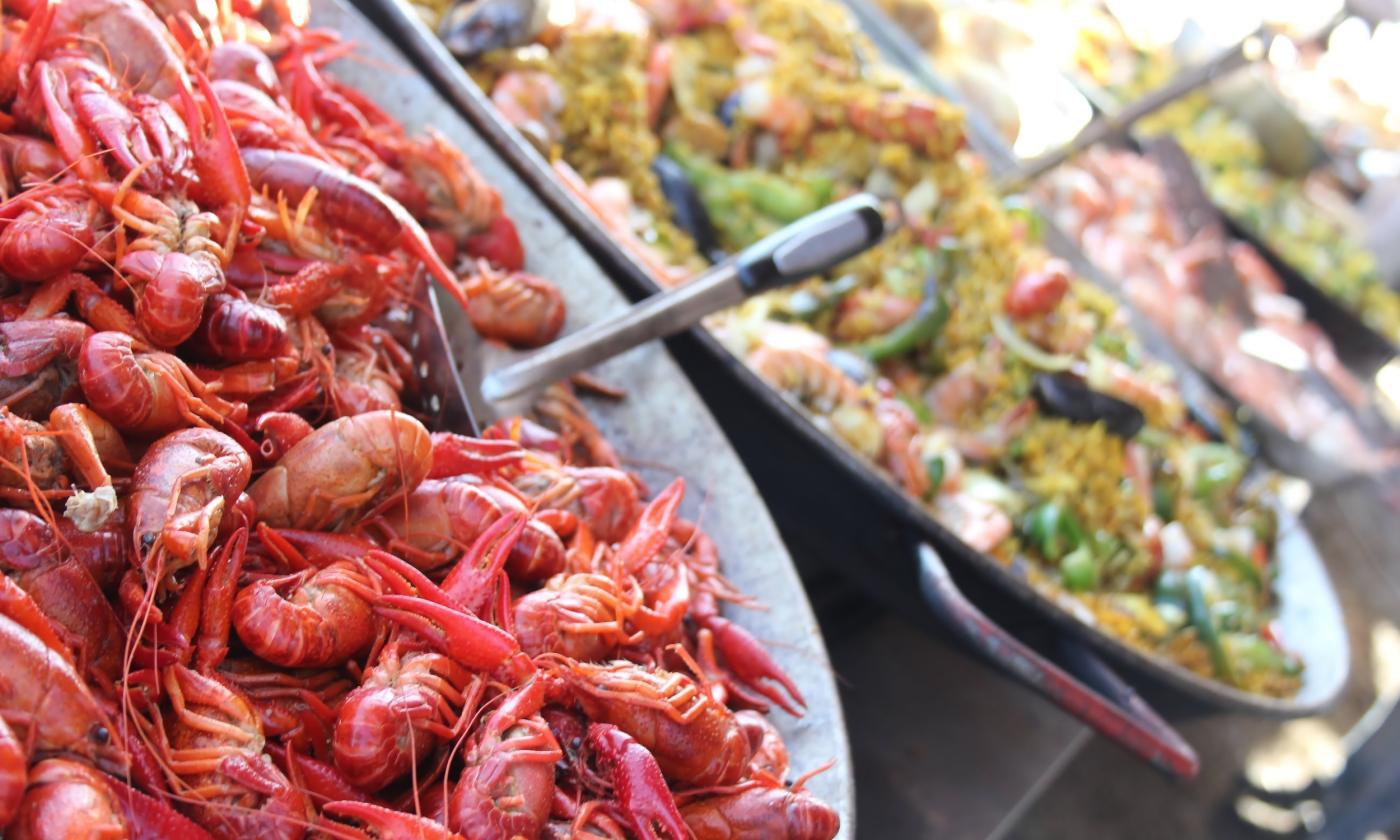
x=1359 y=346
x=662 y=429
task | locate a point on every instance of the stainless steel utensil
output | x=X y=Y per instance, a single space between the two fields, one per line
x=1199 y=220
x=808 y=246
x=1249 y=49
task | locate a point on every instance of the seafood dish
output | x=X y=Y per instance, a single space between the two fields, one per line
x=1006 y=395
x=1305 y=220
x=1115 y=203
x=988 y=50
x=250 y=594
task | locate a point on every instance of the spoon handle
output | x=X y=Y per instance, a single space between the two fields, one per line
x=805 y=247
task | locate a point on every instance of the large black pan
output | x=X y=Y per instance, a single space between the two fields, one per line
x=1311 y=618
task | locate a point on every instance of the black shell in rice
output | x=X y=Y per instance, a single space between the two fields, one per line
x=1065 y=395
x=728 y=109
x=687 y=211
x=475 y=27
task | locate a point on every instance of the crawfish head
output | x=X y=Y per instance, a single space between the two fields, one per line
x=695 y=740
x=181 y=488
x=335 y=474
x=69 y=718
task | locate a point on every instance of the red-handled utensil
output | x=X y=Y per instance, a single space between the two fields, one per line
x=1093 y=694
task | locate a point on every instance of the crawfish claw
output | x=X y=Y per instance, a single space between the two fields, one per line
x=652 y=529
x=455 y=454
x=464 y=637
x=388 y=823
x=645 y=800
x=403 y=578
x=750 y=664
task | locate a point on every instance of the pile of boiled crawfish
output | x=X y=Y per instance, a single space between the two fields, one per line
x=247 y=594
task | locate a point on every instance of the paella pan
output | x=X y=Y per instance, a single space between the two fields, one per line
x=862 y=353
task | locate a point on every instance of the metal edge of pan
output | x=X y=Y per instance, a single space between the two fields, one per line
x=439 y=65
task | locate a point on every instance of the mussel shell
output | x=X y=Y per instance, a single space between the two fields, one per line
x=858 y=368
x=475 y=27
x=687 y=210
x=1065 y=395
x=728 y=109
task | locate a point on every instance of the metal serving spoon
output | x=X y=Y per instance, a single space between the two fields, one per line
x=463 y=396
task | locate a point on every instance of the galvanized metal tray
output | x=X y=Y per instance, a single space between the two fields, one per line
x=1311 y=616
x=662 y=429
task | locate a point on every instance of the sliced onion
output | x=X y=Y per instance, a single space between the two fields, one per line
x=1177 y=550
x=755 y=99
x=881 y=183
x=1029 y=353
x=920 y=202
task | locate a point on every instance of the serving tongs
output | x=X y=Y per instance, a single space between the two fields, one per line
x=1200 y=222
x=460 y=395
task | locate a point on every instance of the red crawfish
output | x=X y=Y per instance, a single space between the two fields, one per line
x=342 y=470
x=69 y=799
x=760 y=808
x=39 y=364
x=183 y=486
x=311 y=619
x=407 y=704
x=442 y=517
x=696 y=741
x=140 y=389
x=350 y=204
x=642 y=795
x=50 y=710
x=507 y=786
x=213 y=745
x=582 y=616
x=515 y=307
